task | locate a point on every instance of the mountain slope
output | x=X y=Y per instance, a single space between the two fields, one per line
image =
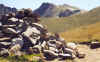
x=84 y=33
x=51 y=10
x=90 y=29
x=72 y=22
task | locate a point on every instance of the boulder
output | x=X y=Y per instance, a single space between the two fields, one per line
x=32 y=34
x=65 y=56
x=94 y=45
x=71 y=45
x=37 y=49
x=4 y=44
x=4 y=52
x=10 y=31
x=50 y=55
x=17 y=44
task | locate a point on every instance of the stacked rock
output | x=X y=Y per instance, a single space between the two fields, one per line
x=22 y=32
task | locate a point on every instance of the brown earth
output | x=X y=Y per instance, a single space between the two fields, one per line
x=92 y=55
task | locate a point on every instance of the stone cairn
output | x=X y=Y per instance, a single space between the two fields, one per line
x=21 y=33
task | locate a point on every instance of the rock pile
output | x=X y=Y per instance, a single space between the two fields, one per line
x=22 y=32
x=5 y=9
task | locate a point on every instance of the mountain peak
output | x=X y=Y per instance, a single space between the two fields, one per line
x=52 y=10
x=47 y=4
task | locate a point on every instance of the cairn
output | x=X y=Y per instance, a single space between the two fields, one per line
x=26 y=34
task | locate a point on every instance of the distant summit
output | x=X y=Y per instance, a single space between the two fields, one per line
x=5 y=9
x=51 y=10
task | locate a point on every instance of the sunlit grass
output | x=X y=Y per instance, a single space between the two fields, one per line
x=81 y=27
x=85 y=33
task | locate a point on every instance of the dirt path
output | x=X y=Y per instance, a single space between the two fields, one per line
x=92 y=55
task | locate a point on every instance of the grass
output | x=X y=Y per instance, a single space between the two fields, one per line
x=80 y=27
x=24 y=58
x=85 y=33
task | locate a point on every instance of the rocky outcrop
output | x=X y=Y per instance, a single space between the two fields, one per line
x=46 y=10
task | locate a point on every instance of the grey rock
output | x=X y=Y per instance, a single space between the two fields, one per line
x=50 y=55
x=5 y=9
x=4 y=52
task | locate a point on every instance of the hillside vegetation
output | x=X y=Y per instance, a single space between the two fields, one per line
x=80 y=27
x=85 y=33
x=70 y=23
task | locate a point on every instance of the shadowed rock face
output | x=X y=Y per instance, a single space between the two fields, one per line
x=46 y=9
x=65 y=13
x=68 y=13
x=5 y=9
x=51 y=10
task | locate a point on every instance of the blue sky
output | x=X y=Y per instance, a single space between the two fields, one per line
x=83 y=4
